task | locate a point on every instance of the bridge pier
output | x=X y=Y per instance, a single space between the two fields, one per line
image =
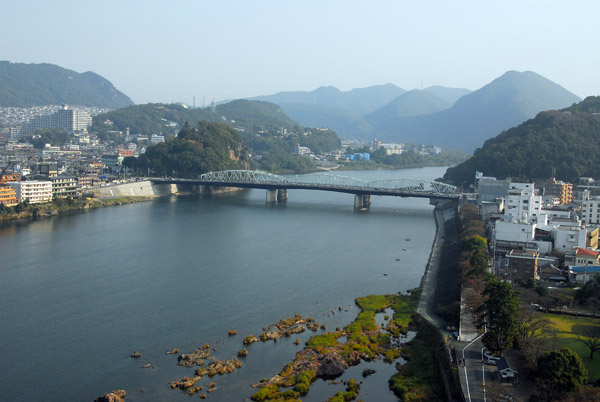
x=282 y=194
x=362 y=201
x=271 y=196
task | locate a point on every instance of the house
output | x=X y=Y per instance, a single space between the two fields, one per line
x=506 y=373
x=582 y=256
x=583 y=273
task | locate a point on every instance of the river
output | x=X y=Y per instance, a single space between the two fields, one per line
x=80 y=293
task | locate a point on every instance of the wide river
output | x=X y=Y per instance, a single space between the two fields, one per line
x=80 y=293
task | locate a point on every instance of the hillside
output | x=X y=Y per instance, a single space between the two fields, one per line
x=332 y=108
x=27 y=85
x=505 y=102
x=263 y=127
x=154 y=118
x=565 y=141
x=412 y=103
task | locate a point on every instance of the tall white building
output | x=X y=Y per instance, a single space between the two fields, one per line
x=590 y=208
x=34 y=191
x=522 y=203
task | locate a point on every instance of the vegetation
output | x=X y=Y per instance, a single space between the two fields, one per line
x=506 y=102
x=61 y=205
x=268 y=134
x=419 y=378
x=52 y=136
x=352 y=388
x=561 y=143
x=27 y=85
x=210 y=147
x=560 y=371
x=499 y=314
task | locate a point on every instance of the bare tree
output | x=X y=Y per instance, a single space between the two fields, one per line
x=591 y=339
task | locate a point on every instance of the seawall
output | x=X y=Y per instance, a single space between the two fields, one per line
x=146 y=188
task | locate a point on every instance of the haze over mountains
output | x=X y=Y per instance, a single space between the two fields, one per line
x=449 y=117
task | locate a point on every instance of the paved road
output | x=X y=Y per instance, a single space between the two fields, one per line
x=473 y=374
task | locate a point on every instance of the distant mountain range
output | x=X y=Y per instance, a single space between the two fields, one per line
x=450 y=117
x=27 y=85
x=557 y=143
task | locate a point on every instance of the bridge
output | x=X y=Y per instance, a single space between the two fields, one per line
x=277 y=186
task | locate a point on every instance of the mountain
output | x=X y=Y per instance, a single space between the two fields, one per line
x=154 y=118
x=562 y=143
x=505 y=102
x=412 y=103
x=450 y=95
x=27 y=85
x=330 y=107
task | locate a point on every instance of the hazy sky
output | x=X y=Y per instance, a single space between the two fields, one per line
x=169 y=51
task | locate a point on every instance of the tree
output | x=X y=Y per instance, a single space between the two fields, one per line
x=499 y=314
x=591 y=339
x=560 y=371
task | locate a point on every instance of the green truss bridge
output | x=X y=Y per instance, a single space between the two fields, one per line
x=277 y=186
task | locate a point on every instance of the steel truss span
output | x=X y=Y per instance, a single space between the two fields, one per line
x=330 y=180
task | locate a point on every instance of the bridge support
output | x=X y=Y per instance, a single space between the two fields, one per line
x=271 y=196
x=282 y=194
x=362 y=201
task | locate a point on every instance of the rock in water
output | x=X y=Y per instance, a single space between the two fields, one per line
x=115 y=396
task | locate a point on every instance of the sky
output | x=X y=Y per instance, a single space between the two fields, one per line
x=159 y=51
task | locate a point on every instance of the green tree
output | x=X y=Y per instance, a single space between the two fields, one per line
x=499 y=314
x=560 y=371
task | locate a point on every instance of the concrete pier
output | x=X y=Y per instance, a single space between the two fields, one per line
x=282 y=194
x=271 y=196
x=362 y=200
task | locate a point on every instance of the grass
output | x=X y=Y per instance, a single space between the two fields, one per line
x=568 y=327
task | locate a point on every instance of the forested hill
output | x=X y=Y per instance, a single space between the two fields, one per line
x=561 y=143
x=27 y=85
x=154 y=118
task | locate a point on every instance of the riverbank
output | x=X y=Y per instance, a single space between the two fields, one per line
x=63 y=206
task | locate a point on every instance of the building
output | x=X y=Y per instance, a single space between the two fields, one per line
x=156 y=139
x=64 y=186
x=8 y=196
x=521 y=266
x=6 y=178
x=300 y=150
x=65 y=119
x=34 y=191
x=522 y=202
x=583 y=273
x=582 y=256
x=590 y=208
x=567 y=237
x=560 y=190
x=125 y=152
x=506 y=373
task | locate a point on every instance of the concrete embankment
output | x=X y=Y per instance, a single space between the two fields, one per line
x=146 y=188
x=440 y=286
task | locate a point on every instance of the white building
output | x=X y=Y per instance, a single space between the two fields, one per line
x=156 y=139
x=567 y=237
x=590 y=208
x=522 y=203
x=35 y=191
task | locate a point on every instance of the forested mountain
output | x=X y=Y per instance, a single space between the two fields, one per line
x=154 y=118
x=561 y=143
x=27 y=85
x=505 y=102
x=195 y=150
x=332 y=108
x=412 y=103
x=264 y=129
